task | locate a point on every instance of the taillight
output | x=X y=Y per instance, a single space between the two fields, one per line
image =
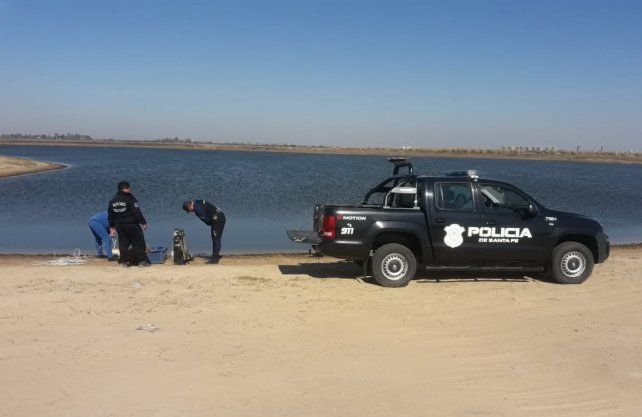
x=329 y=223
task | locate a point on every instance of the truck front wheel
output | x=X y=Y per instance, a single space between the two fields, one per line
x=572 y=263
x=394 y=265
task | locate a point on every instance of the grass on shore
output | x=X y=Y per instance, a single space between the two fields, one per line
x=456 y=152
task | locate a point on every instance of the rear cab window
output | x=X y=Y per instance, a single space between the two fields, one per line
x=403 y=196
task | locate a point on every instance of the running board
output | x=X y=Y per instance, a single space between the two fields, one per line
x=484 y=268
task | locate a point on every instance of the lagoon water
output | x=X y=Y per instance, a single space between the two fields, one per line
x=263 y=194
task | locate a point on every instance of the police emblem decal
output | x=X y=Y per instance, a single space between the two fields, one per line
x=453 y=236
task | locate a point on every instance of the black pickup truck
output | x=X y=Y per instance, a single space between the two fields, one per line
x=453 y=222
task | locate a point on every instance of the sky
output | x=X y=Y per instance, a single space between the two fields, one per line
x=477 y=73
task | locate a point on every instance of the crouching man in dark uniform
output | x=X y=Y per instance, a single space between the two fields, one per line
x=126 y=219
x=211 y=216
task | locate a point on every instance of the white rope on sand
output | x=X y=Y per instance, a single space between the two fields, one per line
x=76 y=259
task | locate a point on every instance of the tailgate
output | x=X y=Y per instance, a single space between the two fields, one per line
x=308 y=237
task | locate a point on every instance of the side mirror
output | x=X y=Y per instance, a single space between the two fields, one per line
x=532 y=210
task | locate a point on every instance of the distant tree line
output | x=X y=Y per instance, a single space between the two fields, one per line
x=55 y=136
x=172 y=140
x=510 y=150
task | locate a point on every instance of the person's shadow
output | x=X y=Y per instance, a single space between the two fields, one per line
x=350 y=270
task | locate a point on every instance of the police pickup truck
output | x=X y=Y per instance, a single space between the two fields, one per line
x=457 y=221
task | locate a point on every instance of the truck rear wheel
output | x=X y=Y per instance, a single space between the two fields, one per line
x=394 y=265
x=572 y=263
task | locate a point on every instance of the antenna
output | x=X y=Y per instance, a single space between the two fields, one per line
x=434 y=167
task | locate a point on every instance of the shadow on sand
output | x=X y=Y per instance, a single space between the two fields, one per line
x=350 y=270
x=339 y=270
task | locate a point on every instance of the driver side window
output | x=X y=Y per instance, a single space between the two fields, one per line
x=454 y=196
x=502 y=199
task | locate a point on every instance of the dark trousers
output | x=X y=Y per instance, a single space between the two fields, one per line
x=131 y=234
x=217 y=233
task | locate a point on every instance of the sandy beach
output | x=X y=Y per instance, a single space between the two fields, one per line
x=11 y=166
x=293 y=335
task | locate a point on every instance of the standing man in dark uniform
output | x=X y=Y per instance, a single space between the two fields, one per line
x=211 y=216
x=126 y=219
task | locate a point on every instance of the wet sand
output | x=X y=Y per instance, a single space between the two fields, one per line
x=292 y=335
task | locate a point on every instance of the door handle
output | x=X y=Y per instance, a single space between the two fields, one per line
x=491 y=223
x=440 y=220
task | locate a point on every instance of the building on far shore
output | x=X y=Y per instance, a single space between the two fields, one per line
x=521 y=149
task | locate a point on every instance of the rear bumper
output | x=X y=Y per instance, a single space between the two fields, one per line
x=343 y=249
x=603 y=247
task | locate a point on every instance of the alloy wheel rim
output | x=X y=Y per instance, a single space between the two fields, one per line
x=394 y=266
x=573 y=264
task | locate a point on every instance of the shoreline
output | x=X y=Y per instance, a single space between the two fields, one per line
x=236 y=256
x=559 y=156
x=11 y=166
x=254 y=255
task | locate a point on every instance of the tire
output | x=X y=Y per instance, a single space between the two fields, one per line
x=571 y=263
x=394 y=265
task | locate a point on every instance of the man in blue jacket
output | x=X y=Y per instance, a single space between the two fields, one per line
x=211 y=216
x=99 y=226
